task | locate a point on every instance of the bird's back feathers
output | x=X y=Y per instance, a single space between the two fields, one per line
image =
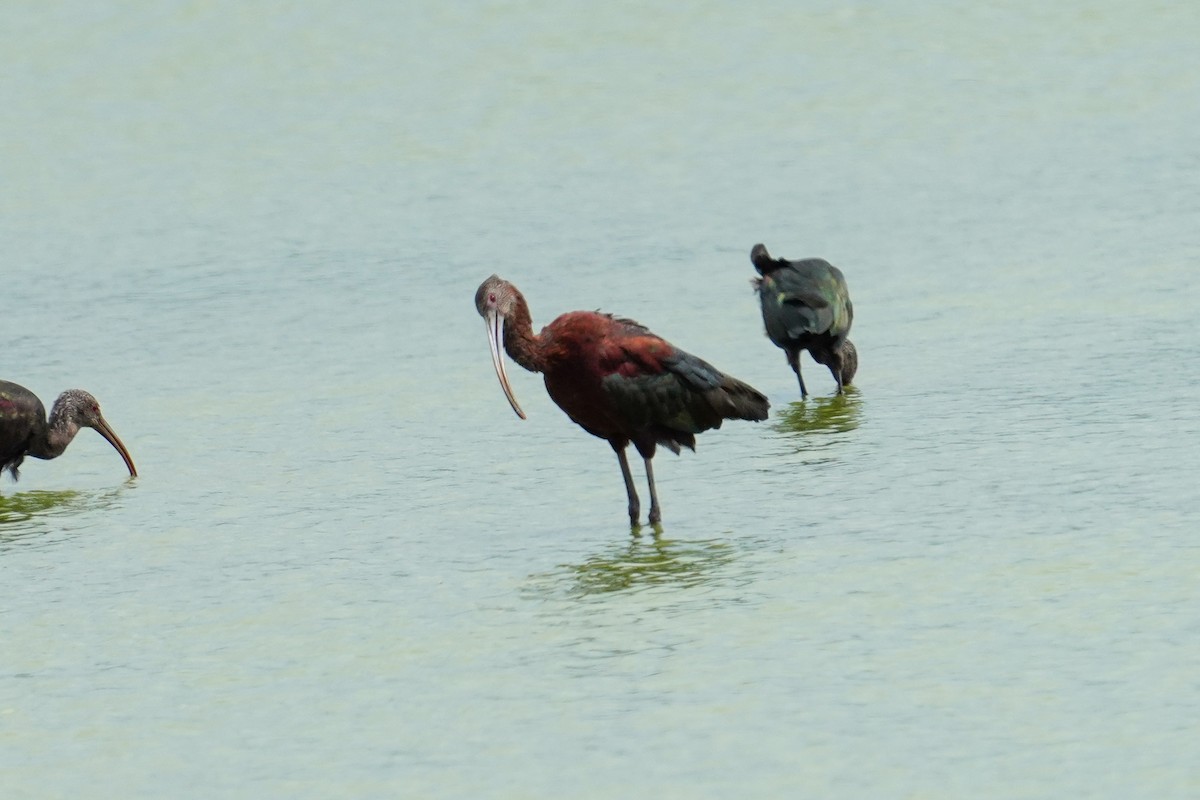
x=649 y=390
x=805 y=298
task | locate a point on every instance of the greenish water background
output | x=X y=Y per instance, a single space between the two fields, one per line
x=254 y=232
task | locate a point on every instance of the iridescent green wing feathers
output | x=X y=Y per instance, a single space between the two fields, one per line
x=808 y=296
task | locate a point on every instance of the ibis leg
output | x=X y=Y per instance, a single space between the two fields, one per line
x=635 y=506
x=655 y=511
x=793 y=358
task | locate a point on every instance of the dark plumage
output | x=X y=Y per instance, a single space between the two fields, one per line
x=25 y=430
x=616 y=380
x=806 y=306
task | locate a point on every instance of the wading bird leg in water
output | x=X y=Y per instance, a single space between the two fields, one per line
x=793 y=357
x=635 y=505
x=655 y=512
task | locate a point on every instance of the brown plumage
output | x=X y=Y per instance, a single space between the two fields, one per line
x=616 y=380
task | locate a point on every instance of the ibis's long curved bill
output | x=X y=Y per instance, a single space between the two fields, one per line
x=495 y=329
x=105 y=430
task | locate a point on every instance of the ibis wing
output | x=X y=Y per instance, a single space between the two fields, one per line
x=809 y=296
x=20 y=413
x=658 y=385
x=641 y=385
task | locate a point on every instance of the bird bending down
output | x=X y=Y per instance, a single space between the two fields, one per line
x=616 y=380
x=806 y=306
x=25 y=431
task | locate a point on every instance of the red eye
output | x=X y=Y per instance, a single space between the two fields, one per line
x=492 y=297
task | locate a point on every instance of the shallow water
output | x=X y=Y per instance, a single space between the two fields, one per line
x=346 y=569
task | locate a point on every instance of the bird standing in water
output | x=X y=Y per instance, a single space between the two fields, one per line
x=616 y=380
x=806 y=306
x=25 y=431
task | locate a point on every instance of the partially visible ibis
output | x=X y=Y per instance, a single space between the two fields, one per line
x=806 y=306
x=25 y=430
x=616 y=380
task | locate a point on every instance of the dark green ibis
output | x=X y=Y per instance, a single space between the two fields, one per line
x=806 y=306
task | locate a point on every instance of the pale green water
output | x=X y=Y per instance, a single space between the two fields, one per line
x=347 y=570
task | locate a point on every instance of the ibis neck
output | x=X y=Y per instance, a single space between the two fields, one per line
x=52 y=439
x=520 y=342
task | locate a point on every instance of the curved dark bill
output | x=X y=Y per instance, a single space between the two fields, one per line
x=108 y=433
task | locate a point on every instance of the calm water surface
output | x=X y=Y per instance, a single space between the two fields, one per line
x=347 y=570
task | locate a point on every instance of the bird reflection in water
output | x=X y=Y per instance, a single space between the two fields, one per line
x=646 y=563
x=820 y=416
x=24 y=505
x=24 y=514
